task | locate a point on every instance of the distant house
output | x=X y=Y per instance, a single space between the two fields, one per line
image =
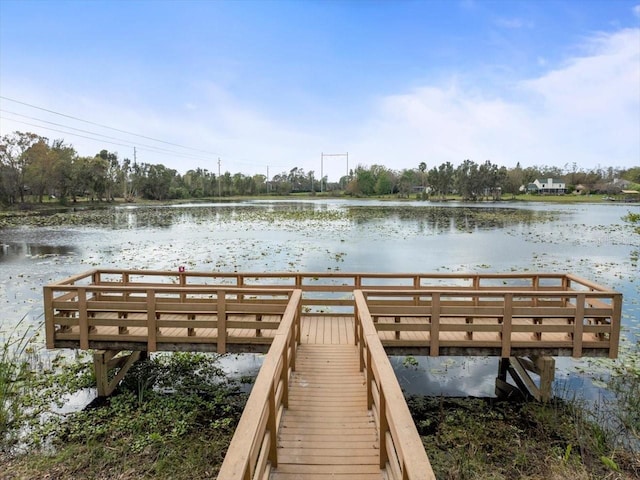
x=580 y=189
x=621 y=183
x=631 y=195
x=549 y=186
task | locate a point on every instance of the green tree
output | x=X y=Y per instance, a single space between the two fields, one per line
x=422 y=167
x=384 y=184
x=98 y=179
x=158 y=182
x=514 y=179
x=441 y=179
x=65 y=155
x=406 y=181
x=468 y=181
x=364 y=182
x=40 y=166
x=15 y=163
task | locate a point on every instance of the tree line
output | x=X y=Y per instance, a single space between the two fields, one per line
x=34 y=168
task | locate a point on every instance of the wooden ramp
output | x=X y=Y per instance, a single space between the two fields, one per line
x=327 y=431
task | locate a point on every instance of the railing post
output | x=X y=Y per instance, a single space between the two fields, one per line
x=578 y=324
x=384 y=426
x=614 y=333
x=83 y=319
x=434 y=334
x=507 y=316
x=293 y=345
x=284 y=376
x=222 y=321
x=298 y=321
x=183 y=283
x=272 y=427
x=152 y=331
x=369 y=378
x=50 y=328
x=356 y=314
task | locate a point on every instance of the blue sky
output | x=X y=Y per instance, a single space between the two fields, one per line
x=274 y=84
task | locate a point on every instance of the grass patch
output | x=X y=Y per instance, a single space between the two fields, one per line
x=471 y=438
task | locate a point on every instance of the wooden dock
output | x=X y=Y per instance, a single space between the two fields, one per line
x=326 y=403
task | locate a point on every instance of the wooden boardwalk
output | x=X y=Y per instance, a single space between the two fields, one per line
x=327 y=430
x=326 y=402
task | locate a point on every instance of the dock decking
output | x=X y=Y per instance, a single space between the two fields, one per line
x=327 y=429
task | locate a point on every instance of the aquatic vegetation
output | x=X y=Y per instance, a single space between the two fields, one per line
x=15 y=380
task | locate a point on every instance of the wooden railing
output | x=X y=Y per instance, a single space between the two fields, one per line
x=324 y=291
x=401 y=451
x=572 y=319
x=444 y=312
x=253 y=449
x=136 y=313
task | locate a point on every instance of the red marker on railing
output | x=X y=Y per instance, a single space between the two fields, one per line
x=181 y=269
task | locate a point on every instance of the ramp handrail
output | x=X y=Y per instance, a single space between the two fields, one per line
x=253 y=449
x=401 y=451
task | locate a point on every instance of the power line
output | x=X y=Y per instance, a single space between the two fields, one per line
x=158 y=149
x=129 y=144
x=105 y=126
x=147 y=149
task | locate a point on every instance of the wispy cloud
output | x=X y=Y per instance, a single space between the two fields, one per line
x=636 y=10
x=513 y=23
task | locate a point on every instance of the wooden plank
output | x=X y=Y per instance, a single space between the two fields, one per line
x=327 y=470
x=311 y=459
x=319 y=476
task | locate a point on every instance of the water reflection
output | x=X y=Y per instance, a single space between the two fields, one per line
x=447 y=376
x=438 y=219
x=17 y=251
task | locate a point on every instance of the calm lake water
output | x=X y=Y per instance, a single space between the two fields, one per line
x=334 y=235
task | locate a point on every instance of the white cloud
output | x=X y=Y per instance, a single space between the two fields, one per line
x=587 y=111
x=636 y=10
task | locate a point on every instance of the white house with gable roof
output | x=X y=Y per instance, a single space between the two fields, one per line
x=555 y=186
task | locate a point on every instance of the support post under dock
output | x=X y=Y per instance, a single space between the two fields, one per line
x=106 y=360
x=520 y=368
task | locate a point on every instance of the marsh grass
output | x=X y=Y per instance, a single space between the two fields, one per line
x=15 y=379
x=172 y=417
x=472 y=438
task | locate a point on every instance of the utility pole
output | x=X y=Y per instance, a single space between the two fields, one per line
x=322 y=155
x=219 y=178
x=321 y=170
x=347 y=165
